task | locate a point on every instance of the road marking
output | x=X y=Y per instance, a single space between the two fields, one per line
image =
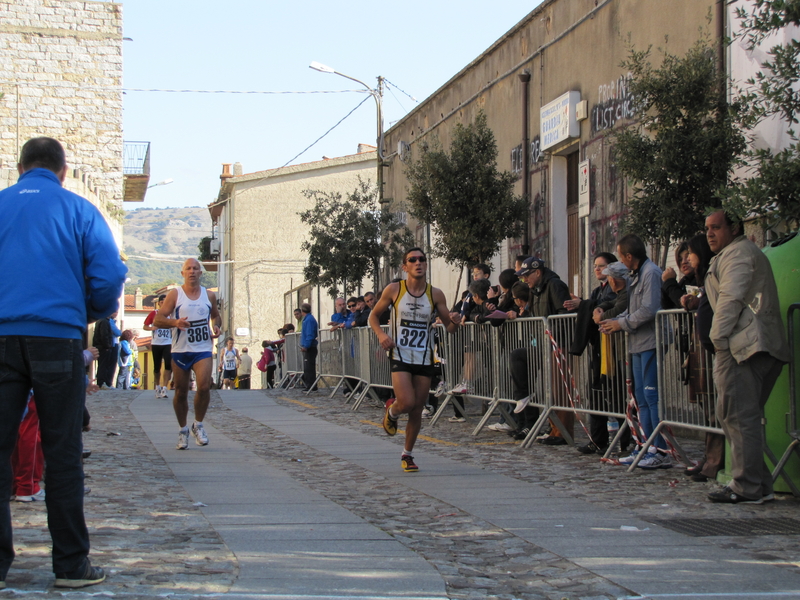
x=419 y=437
x=297 y=402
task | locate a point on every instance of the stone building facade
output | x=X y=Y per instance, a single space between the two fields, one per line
x=61 y=76
x=568 y=51
x=259 y=232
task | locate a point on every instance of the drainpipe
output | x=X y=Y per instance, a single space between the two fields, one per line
x=525 y=78
x=720 y=31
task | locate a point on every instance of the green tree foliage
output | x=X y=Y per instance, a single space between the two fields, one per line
x=469 y=203
x=775 y=90
x=684 y=148
x=349 y=239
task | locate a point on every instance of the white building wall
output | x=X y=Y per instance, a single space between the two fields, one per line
x=261 y=228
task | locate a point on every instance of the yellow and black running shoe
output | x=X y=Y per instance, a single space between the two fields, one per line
x=389 y=424
x=408 y=464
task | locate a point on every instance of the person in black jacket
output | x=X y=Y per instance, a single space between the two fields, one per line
x=673 y=290
x=547 y=297
x=105 y=339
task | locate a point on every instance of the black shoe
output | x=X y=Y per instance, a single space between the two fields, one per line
x=591 y=448
x=695 y=470
x=521 y=434
x=86 y=454
x=699 y=478
x=552 y=440
x=728 y=496
x=86 y=575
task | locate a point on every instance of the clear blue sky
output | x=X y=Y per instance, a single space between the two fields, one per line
x=251 y=45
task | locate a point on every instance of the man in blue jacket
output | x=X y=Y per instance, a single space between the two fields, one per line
x=308 y=346
x=61 y=269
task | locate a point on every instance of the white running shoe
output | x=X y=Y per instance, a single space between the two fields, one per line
x=37 y=497
x=199 y=433
x=461 y=388
x=628 y=460
x=440 y=389
x=427 y=412
x=164 y=392
x=655 y=460
x=499 y=427
x=183 y=440
x=158 y=391
x=521 y=404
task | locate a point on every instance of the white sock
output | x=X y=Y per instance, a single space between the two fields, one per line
x=405 y=453
x=198 y=423
x=185 y=429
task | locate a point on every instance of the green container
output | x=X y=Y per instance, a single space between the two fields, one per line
x=784 y=256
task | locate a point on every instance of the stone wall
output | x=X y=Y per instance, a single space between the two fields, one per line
x=61 y=76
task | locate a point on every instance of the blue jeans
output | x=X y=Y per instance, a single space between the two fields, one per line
x=54 y=369
x=124 y=378
x=645 y=382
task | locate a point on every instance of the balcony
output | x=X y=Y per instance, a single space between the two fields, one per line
x=135 y=170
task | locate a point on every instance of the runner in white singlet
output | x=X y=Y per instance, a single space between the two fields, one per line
x=161 y=350
x=188 y=310
x=411 y=326
x=409 y=346
x=228 y=362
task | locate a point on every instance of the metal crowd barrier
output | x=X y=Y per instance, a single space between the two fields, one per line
x=375 y=369
x=330 y=358
x=294 y=361
x=591 y=383
x=496 y=345
x=466 y=356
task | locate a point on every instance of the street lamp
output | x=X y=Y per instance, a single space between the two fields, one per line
x=378 y=96
x=165 y=182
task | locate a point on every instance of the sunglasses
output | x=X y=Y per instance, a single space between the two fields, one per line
x=413 y=259
x=351 y=306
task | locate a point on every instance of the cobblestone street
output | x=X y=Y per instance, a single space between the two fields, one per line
x=154 y=539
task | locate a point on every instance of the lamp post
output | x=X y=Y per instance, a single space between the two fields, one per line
x=165 y=182
x=377 y=94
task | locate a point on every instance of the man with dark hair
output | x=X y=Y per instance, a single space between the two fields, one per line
x=161 y=349
x=298 y=316
x=308 y=346
x=639 y=321
x=229 y=361
x=410 y=346
x=62 y=270
x=106 y=340
x=750 y=351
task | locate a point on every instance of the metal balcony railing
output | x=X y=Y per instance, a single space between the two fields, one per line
x=136 y=158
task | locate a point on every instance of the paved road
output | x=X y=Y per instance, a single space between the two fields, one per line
x=298 y=497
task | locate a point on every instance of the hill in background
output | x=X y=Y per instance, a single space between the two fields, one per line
x=165 y=233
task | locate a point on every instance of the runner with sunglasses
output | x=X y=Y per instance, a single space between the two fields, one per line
x=410 y=346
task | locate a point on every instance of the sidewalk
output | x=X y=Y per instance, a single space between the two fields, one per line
x=298 y=497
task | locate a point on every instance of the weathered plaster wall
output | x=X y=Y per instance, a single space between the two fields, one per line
x=566 y=45
x=263 y=231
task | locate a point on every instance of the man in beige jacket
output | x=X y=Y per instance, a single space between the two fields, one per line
x=751 y=349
